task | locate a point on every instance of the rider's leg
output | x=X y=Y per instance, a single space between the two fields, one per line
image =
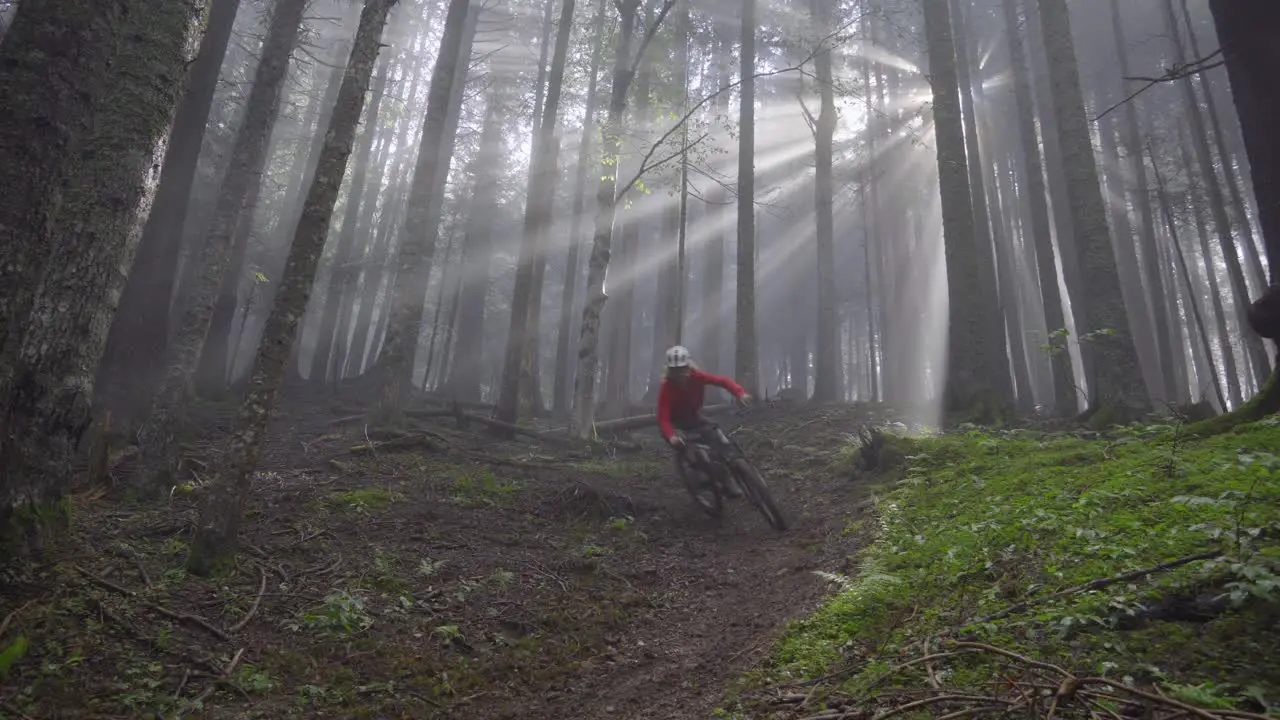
x=710 y=434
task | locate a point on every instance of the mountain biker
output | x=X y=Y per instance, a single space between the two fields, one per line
x=680 y=405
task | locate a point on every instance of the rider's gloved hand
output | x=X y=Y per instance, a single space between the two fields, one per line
x=745 y=400
x=677 y=441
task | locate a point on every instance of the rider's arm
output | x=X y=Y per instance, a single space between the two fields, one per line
x=723 y=382
x=664 y=411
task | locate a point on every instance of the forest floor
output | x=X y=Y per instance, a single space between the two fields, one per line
x=444 y=575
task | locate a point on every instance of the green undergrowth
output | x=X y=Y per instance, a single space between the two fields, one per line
x=983 y=521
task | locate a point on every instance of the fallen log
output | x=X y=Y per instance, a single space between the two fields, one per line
x=637 y=422
x=465 y=417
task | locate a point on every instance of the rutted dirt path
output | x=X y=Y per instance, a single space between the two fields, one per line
x=471 y=579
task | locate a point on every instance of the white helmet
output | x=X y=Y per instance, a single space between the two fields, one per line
x=678 y=357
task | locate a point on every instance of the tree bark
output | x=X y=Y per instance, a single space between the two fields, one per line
x=477 y=253
x=214 y=544
x=1116 y=380
x=159 y=434
x=1181 y=262
x=1130 y=140
x=55 y=59
x=746 y=355
x=1253 y=346
x=1196 y=209
x=134 y=357
x=418 y=235
x=989 y=292
x=521 y=367
x=971 y=349
x=827 y=370
x=94 y=232
x=344 y=272
x=561 y=390
x=606 y=208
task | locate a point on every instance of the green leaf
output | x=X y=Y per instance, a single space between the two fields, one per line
x=15 y=651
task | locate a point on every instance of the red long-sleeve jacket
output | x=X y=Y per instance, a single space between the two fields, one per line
x=680 y=405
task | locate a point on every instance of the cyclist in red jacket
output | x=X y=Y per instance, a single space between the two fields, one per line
x=680 y=402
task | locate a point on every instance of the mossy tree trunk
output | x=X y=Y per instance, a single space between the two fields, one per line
x=53 y=72
x=92 y=234
x=214 y=544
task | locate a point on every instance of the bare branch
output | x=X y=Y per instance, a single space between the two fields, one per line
x=1178 y=71
x=835 y=38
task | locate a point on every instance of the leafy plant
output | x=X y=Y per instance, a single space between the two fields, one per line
x=341 y=613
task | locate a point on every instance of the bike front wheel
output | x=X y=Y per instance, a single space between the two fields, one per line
x=702 y=489
x=758 y=492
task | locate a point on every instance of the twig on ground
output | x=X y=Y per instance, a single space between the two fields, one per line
x=262 y=588
x=4 y=624
x=172 y=614
x=186 y=675
x=225 y=678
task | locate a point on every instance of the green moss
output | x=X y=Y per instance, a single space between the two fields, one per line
x=1266 y=402
x=980 y=521
x=363 y=500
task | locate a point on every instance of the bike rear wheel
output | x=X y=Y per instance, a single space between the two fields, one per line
x=756 y=490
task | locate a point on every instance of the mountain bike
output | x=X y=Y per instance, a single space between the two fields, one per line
x=718 y=460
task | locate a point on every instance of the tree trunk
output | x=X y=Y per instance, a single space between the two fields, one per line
x=826 y=385
x=746 y=360
x=1251 y=55
x=561 y=391
x=55 y=61
x=972 y=350
x=159 y=436
x=1181 y=262
x=477 y=254
x=1130 y=140
x=1135 y=300
x=1248 y=242
x=987 y=289
x=214 y=545
x=1063 y=382
x=344 y=272
x=1253 y=346
x=1116 y=381
x=520 y=366
x=372 y=268
x=134 y=356
x=418 y=235
x=95 y=231
x=606 y=209
x=714 y=312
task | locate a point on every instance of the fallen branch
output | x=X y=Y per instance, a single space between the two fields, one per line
x=1095 y=585
x=195 y=620
x=262 y=588
x=425 y=441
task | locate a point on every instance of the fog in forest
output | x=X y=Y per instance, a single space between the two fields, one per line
x=677 y=245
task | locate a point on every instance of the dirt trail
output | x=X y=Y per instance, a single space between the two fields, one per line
x=472 y=579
